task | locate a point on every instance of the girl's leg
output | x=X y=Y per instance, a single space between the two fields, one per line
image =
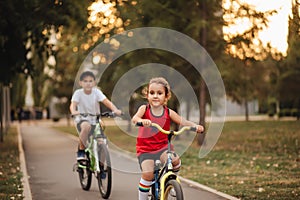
x=146 y=179
x=176 y=162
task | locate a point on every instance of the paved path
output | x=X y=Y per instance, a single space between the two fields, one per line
x=50 y=156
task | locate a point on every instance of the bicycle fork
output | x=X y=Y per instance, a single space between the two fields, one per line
x=169 y=175
x=164 y=179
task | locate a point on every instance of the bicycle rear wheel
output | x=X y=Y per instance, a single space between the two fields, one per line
x=173 y=190
x=105 y=176
x=85 y=175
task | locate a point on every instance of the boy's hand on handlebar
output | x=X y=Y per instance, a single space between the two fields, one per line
x=74 y=114
x=118 y=112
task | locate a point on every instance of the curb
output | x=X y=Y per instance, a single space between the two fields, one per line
x=26 y=187
x=203 y=187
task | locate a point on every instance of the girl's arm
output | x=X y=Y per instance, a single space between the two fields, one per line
x=138 y=116
x=183 y=122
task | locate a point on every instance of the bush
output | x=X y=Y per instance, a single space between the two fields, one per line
x=285 y=112
x=295 y=112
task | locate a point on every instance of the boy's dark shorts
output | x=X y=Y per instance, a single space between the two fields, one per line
x=79 y=129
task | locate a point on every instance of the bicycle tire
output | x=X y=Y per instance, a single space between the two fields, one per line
x=85 y=177
x=151 y=195
x=176 y=193
x=104 y=183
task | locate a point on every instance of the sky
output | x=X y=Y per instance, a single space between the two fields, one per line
x=277 y=31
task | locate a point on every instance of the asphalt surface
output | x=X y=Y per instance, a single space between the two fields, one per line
x=50 y=156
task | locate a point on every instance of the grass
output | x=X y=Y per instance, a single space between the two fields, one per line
x=251 y=160
x=10 y=174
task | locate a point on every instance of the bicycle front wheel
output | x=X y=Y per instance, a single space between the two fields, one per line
x=85 y=176
x=173 y=191
x=104 y=177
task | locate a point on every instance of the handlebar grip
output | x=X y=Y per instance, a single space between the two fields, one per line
x=139 y=124
x=193 y=129
x=74 y=115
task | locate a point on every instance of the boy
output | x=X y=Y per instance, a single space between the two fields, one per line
x=86 y=100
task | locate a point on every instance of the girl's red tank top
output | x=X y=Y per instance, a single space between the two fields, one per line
x=150 y=139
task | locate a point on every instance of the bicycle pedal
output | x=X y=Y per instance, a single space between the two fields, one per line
x=82 y=163
x=75 y=167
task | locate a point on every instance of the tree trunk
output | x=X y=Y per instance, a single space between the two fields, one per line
x=202 y=104
x=1 y=111
x=202 y=98
x=246 y=110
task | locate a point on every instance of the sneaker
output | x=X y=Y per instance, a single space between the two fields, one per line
x=80 y=155
x=102 y=175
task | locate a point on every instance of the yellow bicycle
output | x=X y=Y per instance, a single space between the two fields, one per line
x=166 y=184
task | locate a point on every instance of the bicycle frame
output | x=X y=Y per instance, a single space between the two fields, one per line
x=91 y=149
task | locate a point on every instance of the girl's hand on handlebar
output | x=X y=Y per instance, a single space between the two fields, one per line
x=146 y=122
x=199 y=129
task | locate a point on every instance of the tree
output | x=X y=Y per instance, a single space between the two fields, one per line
x=201 y=20
x=289 y=72
x=246 y=46
x=12 y=36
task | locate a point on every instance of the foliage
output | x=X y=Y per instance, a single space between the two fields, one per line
x=289 y=73
x=245 y=44
x=25 y=28
x=245 y=78
x=12 y=35
x=79 y=32
x=10 y=174
x=201 y=20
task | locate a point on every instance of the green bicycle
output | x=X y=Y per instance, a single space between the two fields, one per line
x=166 y=184
x=98 y=159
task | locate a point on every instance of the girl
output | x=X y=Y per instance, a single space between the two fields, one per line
x=151 y=144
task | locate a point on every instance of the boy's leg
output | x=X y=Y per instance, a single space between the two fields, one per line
x=85 y=128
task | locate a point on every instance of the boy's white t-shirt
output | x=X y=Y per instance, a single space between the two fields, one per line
x=88 y=103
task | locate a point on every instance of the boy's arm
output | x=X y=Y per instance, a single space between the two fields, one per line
x=73 y=108
x=111 y=106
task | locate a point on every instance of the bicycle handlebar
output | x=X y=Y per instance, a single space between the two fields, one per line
x=185 y=128
x=104 y=114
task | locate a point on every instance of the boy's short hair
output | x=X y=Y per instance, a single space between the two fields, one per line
x=87 y=73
